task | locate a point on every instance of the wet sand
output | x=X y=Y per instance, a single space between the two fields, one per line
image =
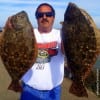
x=10 y=95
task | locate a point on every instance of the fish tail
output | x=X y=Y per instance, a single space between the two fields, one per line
x=15 y=86
x=78 y=89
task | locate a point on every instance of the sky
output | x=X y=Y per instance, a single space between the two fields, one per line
x=11 y=7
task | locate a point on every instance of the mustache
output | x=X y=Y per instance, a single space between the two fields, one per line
x=44 y=20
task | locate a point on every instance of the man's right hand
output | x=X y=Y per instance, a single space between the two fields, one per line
x=8 y=23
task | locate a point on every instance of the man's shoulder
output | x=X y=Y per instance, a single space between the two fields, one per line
x=36 y=30
x=56 y=30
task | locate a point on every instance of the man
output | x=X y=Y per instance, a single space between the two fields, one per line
x=43 y=80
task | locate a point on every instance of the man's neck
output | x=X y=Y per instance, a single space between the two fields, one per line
x=44 y=30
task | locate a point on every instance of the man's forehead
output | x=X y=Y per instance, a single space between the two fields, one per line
x=44 y=8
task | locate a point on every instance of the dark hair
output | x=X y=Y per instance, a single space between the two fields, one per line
x=44 y=4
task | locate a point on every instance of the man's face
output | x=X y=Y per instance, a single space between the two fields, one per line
x=45 y=19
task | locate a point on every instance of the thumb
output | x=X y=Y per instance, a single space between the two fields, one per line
x=8 y=23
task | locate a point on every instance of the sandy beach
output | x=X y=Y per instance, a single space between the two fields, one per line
x=10 y=95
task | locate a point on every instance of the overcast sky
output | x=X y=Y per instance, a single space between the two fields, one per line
x=10 y=7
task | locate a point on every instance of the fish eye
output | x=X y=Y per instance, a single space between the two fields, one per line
x=22 y=16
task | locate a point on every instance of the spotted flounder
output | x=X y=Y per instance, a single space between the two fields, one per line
x=80 y=44
x=18 y=48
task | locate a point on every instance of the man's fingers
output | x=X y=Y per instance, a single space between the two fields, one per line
x=8 y=23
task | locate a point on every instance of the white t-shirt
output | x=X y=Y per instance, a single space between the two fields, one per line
x=48 y=71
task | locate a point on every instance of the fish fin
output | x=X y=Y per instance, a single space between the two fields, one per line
x=78 y=89
x=15 y=86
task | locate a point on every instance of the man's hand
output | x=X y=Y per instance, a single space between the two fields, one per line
x=8 y=23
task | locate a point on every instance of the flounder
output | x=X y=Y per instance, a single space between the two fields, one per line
x=18 y=48
x=79 y=36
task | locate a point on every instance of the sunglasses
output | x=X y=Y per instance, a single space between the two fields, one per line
x=47 y=14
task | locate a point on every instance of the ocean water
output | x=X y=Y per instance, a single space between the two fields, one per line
x=97 y=63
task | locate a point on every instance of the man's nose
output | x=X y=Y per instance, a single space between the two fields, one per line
x=44 y=16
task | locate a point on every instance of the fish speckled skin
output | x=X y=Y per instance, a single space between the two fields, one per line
x=80 y=45
x=18 y=48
